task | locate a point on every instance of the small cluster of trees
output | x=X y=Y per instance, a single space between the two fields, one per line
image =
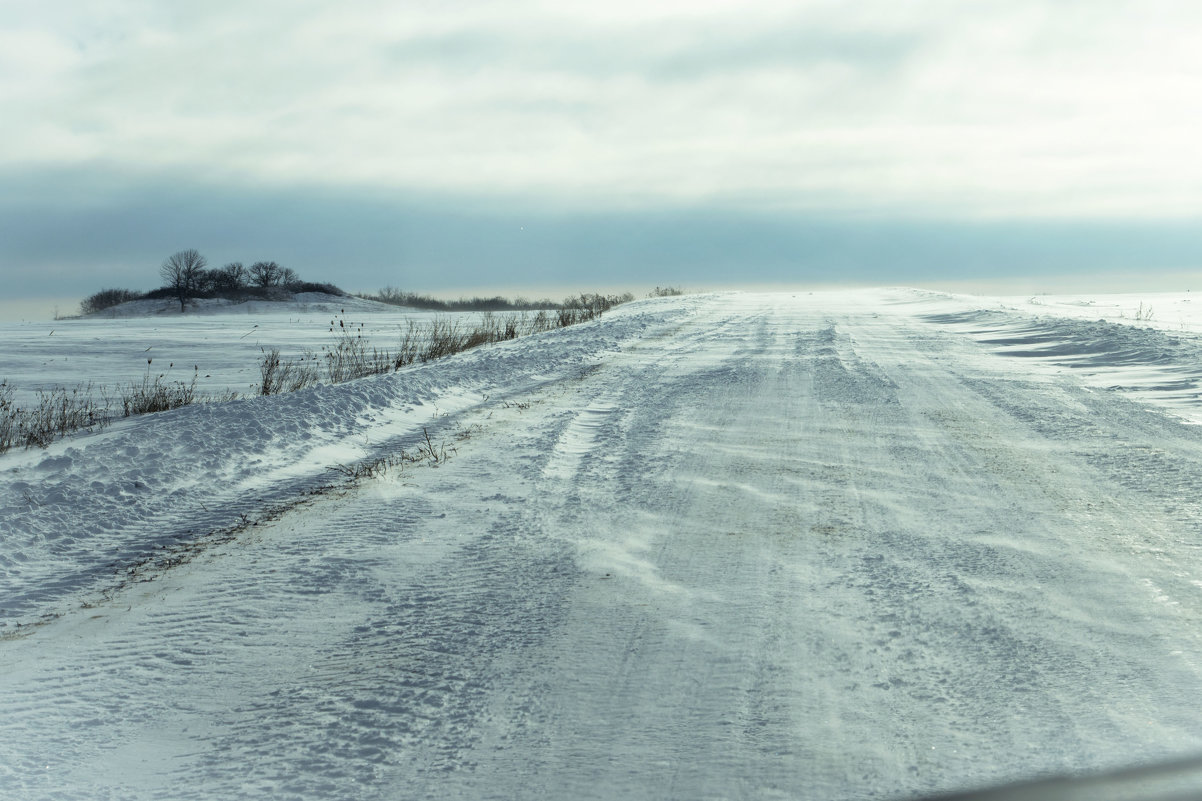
x=185 y=274
x=106 y=299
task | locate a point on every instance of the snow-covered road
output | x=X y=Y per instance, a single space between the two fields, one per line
x=733 y=546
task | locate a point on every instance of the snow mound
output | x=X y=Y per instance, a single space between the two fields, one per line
x=1126 y=355
x=298 y=302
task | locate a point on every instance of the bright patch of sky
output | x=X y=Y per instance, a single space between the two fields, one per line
x=938 y=111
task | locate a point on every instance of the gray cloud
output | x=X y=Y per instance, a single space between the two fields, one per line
x=117 y=232
x=679 y=54
x=987 y=109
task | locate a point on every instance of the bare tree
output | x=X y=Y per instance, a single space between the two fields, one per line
x=230 y=278
x=288 y=277
x=181 y=273
x=105 y=299
x=266 y=273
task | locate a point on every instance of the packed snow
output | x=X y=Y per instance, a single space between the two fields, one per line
x=831 y=545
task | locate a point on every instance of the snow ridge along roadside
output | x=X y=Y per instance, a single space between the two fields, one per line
x=77 y=516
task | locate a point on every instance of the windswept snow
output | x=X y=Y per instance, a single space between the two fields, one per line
x=222 y=344
x=835 y=545
x=1114 y=342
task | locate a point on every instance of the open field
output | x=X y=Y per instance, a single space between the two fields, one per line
x=864 y=544
x=224 y=346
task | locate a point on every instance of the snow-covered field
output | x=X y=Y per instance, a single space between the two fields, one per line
x=221 y=342
x=869 y=544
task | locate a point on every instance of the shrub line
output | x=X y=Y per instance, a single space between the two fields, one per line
x=60 y=411
x=351 y=356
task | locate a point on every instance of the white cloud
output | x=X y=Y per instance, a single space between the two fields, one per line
x=986 y=108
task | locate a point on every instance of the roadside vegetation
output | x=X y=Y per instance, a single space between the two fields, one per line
x=414 y=300
x=396 y=297
x=58 y=412
x=350 y=356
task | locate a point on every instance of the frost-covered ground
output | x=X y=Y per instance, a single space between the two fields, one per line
x=221 y=342
x=865 y=544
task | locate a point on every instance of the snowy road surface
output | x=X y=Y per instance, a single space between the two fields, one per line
x=733 y=546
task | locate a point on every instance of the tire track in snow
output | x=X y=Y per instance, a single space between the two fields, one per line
x=787 y=550
x=169 y=480
x=390 y=666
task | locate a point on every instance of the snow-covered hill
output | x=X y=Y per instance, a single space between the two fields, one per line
x=294 y=303
x=833 y=545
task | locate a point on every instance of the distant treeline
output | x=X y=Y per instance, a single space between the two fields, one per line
x=396 y=297
x=187 y=278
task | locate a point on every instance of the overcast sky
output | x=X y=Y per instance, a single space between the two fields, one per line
x=448 y=146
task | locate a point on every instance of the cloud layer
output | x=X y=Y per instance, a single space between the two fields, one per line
x=933 y=108
x=116 y=232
